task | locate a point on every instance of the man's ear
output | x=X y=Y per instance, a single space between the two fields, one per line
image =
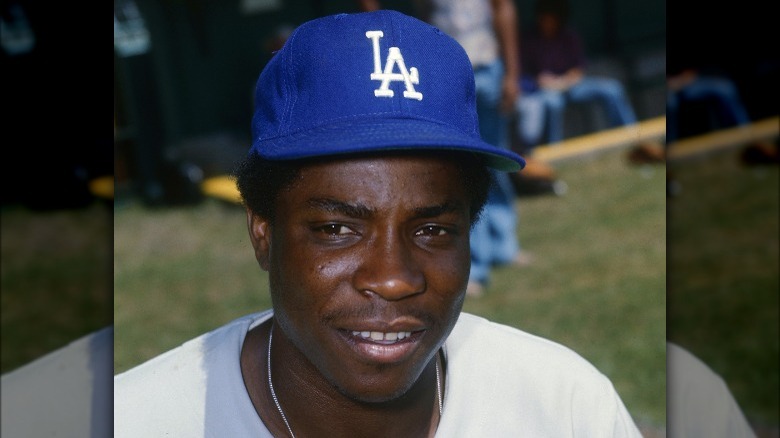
x=260 y=235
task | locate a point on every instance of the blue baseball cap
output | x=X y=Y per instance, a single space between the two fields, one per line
x=366 y=82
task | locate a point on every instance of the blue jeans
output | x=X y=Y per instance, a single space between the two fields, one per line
x=719 y=91
x=542 y=107
x=493 y=238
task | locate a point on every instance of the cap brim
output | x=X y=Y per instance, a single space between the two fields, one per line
x=369 y=135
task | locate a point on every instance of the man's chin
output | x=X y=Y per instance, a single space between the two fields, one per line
x=373 y=395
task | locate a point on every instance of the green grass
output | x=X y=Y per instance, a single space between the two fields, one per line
x=723 y=276
x=597 y=284
x=56 y=279
x=179 y=273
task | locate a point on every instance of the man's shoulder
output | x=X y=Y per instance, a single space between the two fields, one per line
x=499 y=345
x=530 y=36
x=523 y=381
x=470 y=325
x=170 y=391
x=571 y=34
x=187 y=360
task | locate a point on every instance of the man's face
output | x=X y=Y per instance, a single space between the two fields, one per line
x=368 y=262
x=549 y=24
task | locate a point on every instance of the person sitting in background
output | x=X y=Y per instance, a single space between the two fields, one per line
x=701 y=97
x=688 y=85
x=553 y=74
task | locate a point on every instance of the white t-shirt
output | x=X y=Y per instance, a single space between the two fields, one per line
x=65 y=393
x=700 y=403
x=501 y=382
x=470 y=23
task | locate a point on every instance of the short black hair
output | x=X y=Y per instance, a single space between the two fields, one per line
x=558 y=8
x=260 y=181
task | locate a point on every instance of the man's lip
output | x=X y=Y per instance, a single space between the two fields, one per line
x=395 y=325
x=371 y=351
x=383 y=343
x=382 y=337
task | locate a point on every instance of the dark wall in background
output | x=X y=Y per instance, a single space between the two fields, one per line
x=55 y=98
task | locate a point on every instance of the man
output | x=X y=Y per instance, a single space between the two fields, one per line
x=365 y=174
x=554 y=62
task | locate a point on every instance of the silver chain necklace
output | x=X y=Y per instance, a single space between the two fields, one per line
x=279 y=407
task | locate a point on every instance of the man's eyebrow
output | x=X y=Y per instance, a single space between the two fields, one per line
x=358 y=211
x=361 y=211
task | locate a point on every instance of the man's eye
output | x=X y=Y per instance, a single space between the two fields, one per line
x=431 y=230
x=335 y=229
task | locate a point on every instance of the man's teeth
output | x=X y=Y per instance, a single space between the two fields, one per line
x=379 y=336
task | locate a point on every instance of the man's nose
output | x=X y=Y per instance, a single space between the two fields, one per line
x=389 y=269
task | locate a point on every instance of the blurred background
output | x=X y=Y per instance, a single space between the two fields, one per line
x=723 y=215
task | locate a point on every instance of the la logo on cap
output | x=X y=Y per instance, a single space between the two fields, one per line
x=410 y=77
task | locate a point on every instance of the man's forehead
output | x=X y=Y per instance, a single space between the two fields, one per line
x=393 y=173
x=422 y=179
